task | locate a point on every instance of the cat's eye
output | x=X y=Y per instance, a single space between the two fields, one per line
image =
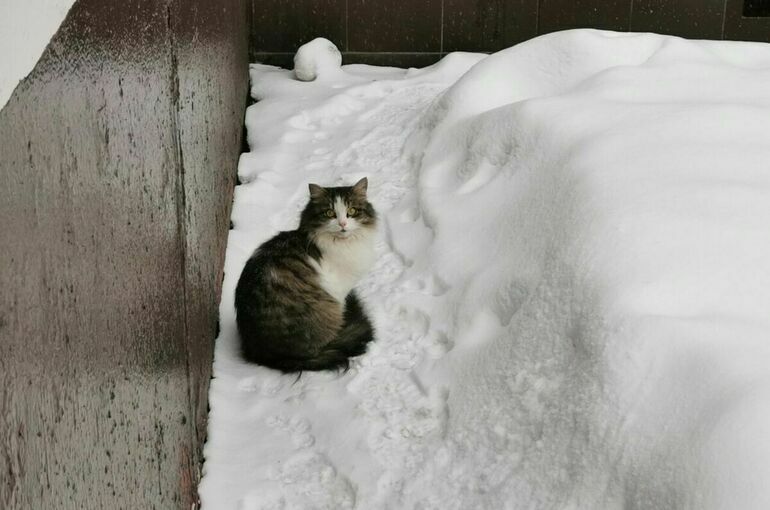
x=330 y=213
x=352 y=211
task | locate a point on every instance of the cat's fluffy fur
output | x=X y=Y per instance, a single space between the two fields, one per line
x=294 y=302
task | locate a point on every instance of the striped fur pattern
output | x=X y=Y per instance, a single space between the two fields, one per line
x=295 y=308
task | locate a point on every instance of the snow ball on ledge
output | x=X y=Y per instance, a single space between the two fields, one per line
x=317 y=58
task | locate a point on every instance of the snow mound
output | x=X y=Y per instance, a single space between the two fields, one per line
x=571 y=293
x=317 y=59
x=611 y=200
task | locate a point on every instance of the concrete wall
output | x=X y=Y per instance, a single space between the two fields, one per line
x=417 y=33
x=117 y=162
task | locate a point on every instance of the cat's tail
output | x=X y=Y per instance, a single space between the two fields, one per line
x=327 y=359
x=351 y=341
x=356 y=330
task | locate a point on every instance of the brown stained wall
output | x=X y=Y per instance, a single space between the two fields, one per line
x=417 y=33
x=117 y=163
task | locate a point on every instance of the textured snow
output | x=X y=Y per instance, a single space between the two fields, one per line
x=26 y=27
x=572 y=288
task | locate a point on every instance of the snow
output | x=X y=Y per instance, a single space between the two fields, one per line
x=26 y=26
x=571 y=294
x=319 y=58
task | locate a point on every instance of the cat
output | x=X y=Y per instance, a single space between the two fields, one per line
x=295 y=307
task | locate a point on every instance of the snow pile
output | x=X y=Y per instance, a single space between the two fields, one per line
x=26 y=26
x=319 y=58
x=572 y=290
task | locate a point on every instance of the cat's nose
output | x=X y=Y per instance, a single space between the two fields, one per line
x=343 y=223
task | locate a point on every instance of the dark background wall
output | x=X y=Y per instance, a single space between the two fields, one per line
x=117 y=163
x=417 y=33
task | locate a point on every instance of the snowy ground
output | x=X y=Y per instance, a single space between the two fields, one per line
x=572 y=296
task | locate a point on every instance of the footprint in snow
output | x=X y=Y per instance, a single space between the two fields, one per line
x=300 y=433
x=267 y=385
x=436 y=344
x=430 y=285
x=417 y=321
x=302 y=121
x=306 y=480
x=298 y=428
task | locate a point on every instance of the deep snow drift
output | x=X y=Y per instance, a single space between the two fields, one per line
x=572 y=294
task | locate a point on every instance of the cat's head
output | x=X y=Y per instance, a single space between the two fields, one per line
x=341 y=212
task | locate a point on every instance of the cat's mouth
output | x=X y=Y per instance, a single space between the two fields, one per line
x=342 y=234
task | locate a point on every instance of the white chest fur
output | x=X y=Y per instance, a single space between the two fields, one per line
x=344 y=262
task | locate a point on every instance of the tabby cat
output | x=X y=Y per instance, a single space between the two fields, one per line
x=294 y=301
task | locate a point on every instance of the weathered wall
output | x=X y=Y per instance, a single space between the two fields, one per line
x=117 y=162
x=417 y=33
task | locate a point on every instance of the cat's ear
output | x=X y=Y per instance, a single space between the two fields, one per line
x=316 y=191
x=360 y=186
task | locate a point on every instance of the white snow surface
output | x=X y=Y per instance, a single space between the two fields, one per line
x=572 y=293
x=26 y=27
x=319 y=58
